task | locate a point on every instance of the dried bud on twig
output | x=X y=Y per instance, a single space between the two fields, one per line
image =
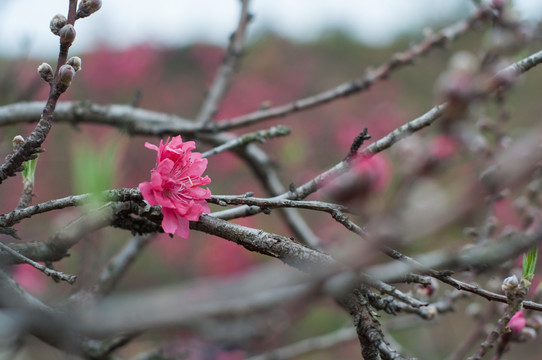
x=67 y=34
x=17 y=141
x=88 y=7
x=46 y=72
x=75 y=63
x=57 y=23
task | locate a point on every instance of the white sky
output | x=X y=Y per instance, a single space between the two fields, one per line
x=24 y=24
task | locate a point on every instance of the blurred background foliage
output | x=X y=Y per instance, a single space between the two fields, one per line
x=272 y=71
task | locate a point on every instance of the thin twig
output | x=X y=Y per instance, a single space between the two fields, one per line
x=504 y=76
x=225 y=72
x=70 y=279
x=117 y=266
x=316 y=183
x=309 y=345
x=26 y=196
x=457 y=284
x=246 y=139
x=483 y=13
x=265 y=170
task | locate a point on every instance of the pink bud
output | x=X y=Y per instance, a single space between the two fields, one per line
x=57 y=23
x=46 y=72
x=517 y=322
x=67 y=34
x=88 y=7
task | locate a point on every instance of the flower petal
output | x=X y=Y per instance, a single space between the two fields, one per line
x=169 y=222
x=147 y=193
x=174 y=224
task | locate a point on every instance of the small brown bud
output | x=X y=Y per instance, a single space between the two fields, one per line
x=17 y=141
x=75 y=63
x=67 y=34
x=88 y=7
x=46 y=72
x=57 y=23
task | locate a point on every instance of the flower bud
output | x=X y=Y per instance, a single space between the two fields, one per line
x=509 y=284
x=88 y=7
x=57 y=23
x=46 y=72
x=431 y=312
x=67 y=34
x=517 y=322
x=75 y=63
x=65 y=77
x=527 y=334
x=66 y=74
x=425 y=292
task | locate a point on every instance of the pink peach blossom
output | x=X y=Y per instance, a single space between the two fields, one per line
x=442 y=147
x=376 y=169
x=175 y=185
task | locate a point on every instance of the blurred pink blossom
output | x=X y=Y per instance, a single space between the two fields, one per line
x=29 y=278
x=367 y=175
x=377 y=169
x=175 y=185
x=224 y=258
x=517 y=322
x=107 y=69
x=442 y=147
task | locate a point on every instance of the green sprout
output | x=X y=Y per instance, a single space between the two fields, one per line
x=529 y=263
x=29 y=170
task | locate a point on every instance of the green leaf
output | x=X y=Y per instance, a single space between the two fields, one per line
x=529 y=263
